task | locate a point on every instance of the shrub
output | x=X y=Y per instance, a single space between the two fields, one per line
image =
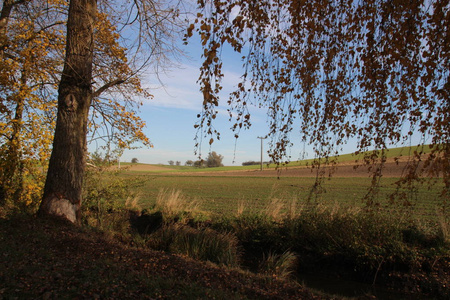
x=107 y=199
x=174 y=206
x=254 y=163
x=367 y=243
x=199 y=163
x=251 y=163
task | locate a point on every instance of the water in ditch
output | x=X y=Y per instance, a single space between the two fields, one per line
x=348 y=288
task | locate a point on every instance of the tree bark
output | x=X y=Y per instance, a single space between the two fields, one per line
x=63 y=187
x=5 y=14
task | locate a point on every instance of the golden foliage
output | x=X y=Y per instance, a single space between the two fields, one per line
x=32 y=48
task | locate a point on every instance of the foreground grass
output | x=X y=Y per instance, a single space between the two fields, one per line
x=51 y=259
x=379 y=246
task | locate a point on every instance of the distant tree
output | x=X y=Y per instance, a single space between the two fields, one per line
x=199 y=163
x=214 y=160
x=171 y=162
x=134 y=160
x=189 y=163
x=252 y=163
x=178 y=163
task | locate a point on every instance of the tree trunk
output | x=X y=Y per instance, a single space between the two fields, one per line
x=62 y=192
x=4 y=18
x=5 y=14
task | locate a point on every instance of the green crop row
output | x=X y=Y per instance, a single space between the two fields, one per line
x=225 y=195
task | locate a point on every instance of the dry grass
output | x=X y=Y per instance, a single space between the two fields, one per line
x=172 y=203
x=275 y=209
x=241 y=208
x=292 y=209
x=444 y=225
x=132 y=203
x=279 y=265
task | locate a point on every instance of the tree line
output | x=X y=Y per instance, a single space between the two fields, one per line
x=212 y=161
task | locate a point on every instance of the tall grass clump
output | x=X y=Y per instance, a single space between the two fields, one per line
x=241 y=208
x=170 y=207
x=174 y=206
x=275 y=209
x=173 y=224
x=202 y=244
x=278 y=265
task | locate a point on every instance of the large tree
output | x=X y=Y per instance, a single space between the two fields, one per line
x=33 y=38
x=156 y=23
x=62 y=192
x=376 y=71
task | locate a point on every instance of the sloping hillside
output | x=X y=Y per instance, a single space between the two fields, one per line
x=50 y=259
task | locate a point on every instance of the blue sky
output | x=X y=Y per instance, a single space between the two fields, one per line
x=171 y=116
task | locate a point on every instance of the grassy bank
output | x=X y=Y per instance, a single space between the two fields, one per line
x=249 y=223
x=379 y=246
x=227 y=237
x=50 y=259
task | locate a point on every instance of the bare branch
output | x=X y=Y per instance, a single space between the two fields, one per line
x=105 y=87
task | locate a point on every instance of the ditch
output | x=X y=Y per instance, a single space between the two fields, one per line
x=349 y=288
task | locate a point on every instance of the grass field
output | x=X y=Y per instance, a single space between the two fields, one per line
x=224 y=195
x=224 y=190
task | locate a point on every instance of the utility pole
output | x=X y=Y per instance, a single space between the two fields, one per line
x=261 y=138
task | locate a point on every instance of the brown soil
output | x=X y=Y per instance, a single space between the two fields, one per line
x=144 y=168
x=391 y=170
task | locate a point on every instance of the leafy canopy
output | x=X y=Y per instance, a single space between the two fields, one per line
x=32 y=50
x=376 y=71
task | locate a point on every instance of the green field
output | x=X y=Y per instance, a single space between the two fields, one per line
x=225 y=194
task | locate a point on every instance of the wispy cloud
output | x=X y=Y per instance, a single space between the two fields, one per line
x=179 y=89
